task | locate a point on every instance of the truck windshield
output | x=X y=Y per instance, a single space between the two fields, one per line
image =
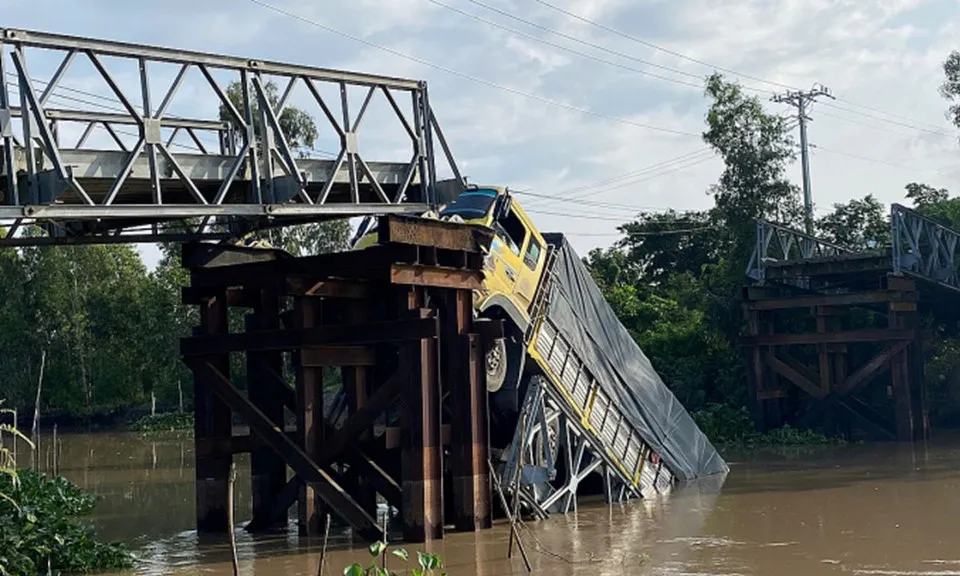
x=471 y=204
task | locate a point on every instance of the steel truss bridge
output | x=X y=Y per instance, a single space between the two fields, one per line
x=67 y=169
x=920 y=248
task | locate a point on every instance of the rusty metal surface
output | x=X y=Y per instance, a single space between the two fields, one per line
x=434 y=233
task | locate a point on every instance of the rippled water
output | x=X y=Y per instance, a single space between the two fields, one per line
x=883 y=509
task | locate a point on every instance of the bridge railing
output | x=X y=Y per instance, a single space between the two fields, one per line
x=923 y=248
x=778 y=243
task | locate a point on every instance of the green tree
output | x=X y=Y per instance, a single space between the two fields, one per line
x=950 y=87
x=300 y=130
x=935 y=204
x=858 y=224
x=666 y=243
x=298 y=127
x=756 y=149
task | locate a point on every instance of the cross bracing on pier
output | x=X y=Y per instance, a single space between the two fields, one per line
x=132 y=170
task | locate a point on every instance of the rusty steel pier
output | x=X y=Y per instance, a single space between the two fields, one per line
x=397 y=319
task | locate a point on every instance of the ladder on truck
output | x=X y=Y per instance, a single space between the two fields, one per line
x=568 y=417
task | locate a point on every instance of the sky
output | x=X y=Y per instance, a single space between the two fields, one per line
x=596 y=104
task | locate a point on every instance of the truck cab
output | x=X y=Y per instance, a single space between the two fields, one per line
x=512 y=272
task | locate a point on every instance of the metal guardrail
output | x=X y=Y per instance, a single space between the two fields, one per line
x=83 y=161
x=778 y=243
x=920 y=247
x=923 y=248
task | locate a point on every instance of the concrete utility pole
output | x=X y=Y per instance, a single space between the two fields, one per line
x=801 y=100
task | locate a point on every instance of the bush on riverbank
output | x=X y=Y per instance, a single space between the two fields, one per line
x=728 y=426
x=41 y=528
x=164 y=422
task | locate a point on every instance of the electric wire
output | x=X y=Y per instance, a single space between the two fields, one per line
x=726 y=70
x=475 y=79
x=700 y=78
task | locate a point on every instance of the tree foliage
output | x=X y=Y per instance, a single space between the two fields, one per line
x=300 y=130
x=950 y=88
x=862 y=224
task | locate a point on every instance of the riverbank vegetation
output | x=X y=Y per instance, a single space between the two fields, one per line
x=110 y=328
x=164 y=422
x=42 y=530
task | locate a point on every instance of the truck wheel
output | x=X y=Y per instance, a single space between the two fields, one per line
x=496 y=365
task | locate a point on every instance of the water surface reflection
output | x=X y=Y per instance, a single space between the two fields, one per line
x=867 y=509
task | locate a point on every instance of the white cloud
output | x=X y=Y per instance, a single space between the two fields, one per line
x=879 y=53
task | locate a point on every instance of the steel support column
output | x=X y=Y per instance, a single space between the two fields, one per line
x=420 y=440
x=212 y=421
x=267 y=469
x=464 y=379
x=310 y=423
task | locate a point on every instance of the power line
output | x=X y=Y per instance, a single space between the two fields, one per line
x=592 y=189
x=877 y=110
x=583 y=216
x=570 y=50
x=465 y=76
x=593 y=203
x=875 y=160
x=730 y=71
x=888 y=121
x=629 y=57
x=863 y=124
x=646 y=234
x=689 y=163
x=549 y=30
x=656 y=46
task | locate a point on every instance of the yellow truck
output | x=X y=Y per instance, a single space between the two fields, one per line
x=571 y=394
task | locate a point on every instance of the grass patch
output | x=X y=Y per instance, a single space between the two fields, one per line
x=164 y=422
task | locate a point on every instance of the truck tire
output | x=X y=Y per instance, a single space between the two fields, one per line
x=495 y=364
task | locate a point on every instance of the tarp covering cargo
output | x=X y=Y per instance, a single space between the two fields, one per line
x=580 y=312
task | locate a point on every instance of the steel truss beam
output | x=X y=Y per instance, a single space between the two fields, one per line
x=778 y=243
x=251 y=171
x=923 y=248
x=920 y=247
x=549 y=435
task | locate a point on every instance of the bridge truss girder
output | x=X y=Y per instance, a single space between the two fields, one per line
x=252 y=177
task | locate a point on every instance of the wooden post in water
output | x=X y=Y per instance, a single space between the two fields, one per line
x=233 y=538
x=323 y=546
x=55 y=467
x=212 y=421
x=15 y=420
x=35 y=428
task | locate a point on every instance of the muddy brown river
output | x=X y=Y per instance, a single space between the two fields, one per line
x=876 y=509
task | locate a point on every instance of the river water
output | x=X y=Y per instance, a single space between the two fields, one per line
x=874 y=509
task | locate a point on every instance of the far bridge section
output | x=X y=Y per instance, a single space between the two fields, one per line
x=835 y=336
x=111 y=162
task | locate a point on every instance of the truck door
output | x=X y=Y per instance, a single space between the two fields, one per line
x=520 y=257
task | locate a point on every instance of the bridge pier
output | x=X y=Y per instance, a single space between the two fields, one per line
x=397 y=319
x=812 y=357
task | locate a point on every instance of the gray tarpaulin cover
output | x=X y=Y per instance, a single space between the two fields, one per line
x=580 y=312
